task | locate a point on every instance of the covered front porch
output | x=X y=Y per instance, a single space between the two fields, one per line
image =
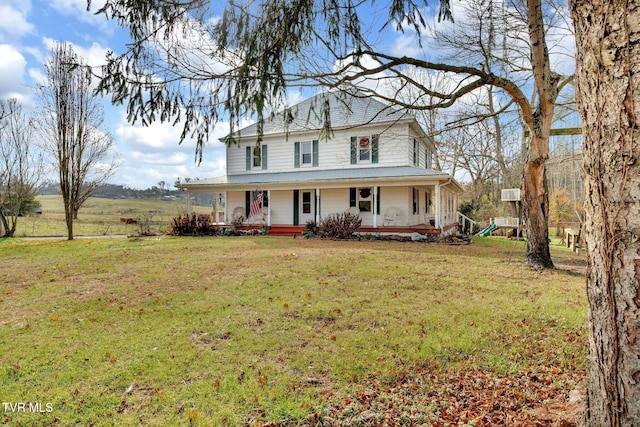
x=425 y=203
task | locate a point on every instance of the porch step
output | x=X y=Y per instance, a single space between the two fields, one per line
x=286 y=230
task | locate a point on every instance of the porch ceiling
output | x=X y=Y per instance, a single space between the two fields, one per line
x=337 y=178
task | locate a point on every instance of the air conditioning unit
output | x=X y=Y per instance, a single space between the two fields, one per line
x=511 y=195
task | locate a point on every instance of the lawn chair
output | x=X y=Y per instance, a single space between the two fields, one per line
x=390 y=215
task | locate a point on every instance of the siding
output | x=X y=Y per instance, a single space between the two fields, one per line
x=395 y=197
x=234 y=199
x=334 y=201
x=281 y=204
x=395 y=149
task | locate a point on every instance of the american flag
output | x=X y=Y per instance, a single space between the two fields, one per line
x=256 y=204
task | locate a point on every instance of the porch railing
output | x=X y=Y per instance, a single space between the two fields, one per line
x=463 y=220
x=506 y=222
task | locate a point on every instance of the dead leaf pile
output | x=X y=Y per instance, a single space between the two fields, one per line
x=472 y=397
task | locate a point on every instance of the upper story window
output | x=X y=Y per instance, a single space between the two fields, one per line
x=256 y=157
x=306 y=154
x=416 y=152
x=364 y=149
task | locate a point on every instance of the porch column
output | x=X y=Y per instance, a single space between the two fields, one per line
x=214 y=207
x=437 y=218
x=226 y=208
x=188 y=202
x=375 y=206
x=269 y=209
x=318 y=214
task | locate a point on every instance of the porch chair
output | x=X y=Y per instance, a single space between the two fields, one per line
x=390 y=215
x=238 y=212
x=258 y=218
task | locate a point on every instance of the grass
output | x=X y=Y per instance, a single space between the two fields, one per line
x=100 y=216
x=243 y=331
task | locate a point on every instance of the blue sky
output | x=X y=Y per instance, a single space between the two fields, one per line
x=147 y=155
x=28 y=28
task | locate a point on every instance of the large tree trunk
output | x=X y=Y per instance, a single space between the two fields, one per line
x=535 y=204
x=4 y=227
x=608 y=95
x=535 y=200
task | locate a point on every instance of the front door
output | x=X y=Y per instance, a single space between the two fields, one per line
x=306 y=206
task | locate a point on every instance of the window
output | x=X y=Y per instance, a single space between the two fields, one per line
x=416 y=152
x=365 y=196
x=306 y=153
x=306 y=202
x=257 y=157
x=427 y=202
x=416 y=201
x=364 y=149
x=362 y=198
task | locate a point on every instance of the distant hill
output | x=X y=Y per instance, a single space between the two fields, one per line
x=116 y=191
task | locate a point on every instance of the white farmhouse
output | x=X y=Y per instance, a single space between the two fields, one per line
x=376 y=162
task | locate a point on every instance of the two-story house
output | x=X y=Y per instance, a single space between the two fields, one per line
x=376 y=162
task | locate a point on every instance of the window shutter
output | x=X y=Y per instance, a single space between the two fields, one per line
x=374 y=149
x=249 y=158
x=315 y=152
x=352 y=197
x=296 y=155
x=264 y=157
x=354 y=150
x=378 y=202
x=247 y=203
x=296 y=207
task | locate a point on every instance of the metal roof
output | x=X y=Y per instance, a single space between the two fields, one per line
x=340 y=109
x=326 y=177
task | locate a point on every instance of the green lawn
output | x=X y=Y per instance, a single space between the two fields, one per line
x=258 y=330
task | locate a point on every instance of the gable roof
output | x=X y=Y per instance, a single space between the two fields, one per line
x=340 y=109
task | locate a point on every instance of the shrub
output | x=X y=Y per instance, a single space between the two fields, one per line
x=339 y=226
x=236 y=223
x=194 y=225
x=311 y=229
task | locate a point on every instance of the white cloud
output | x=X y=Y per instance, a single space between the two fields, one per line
x=12 y=69
x=152 y=153
x=77 y=9
x=13 y=23
x=155 y=137
x=93 y=55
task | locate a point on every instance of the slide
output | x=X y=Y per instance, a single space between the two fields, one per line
x=485 y=232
